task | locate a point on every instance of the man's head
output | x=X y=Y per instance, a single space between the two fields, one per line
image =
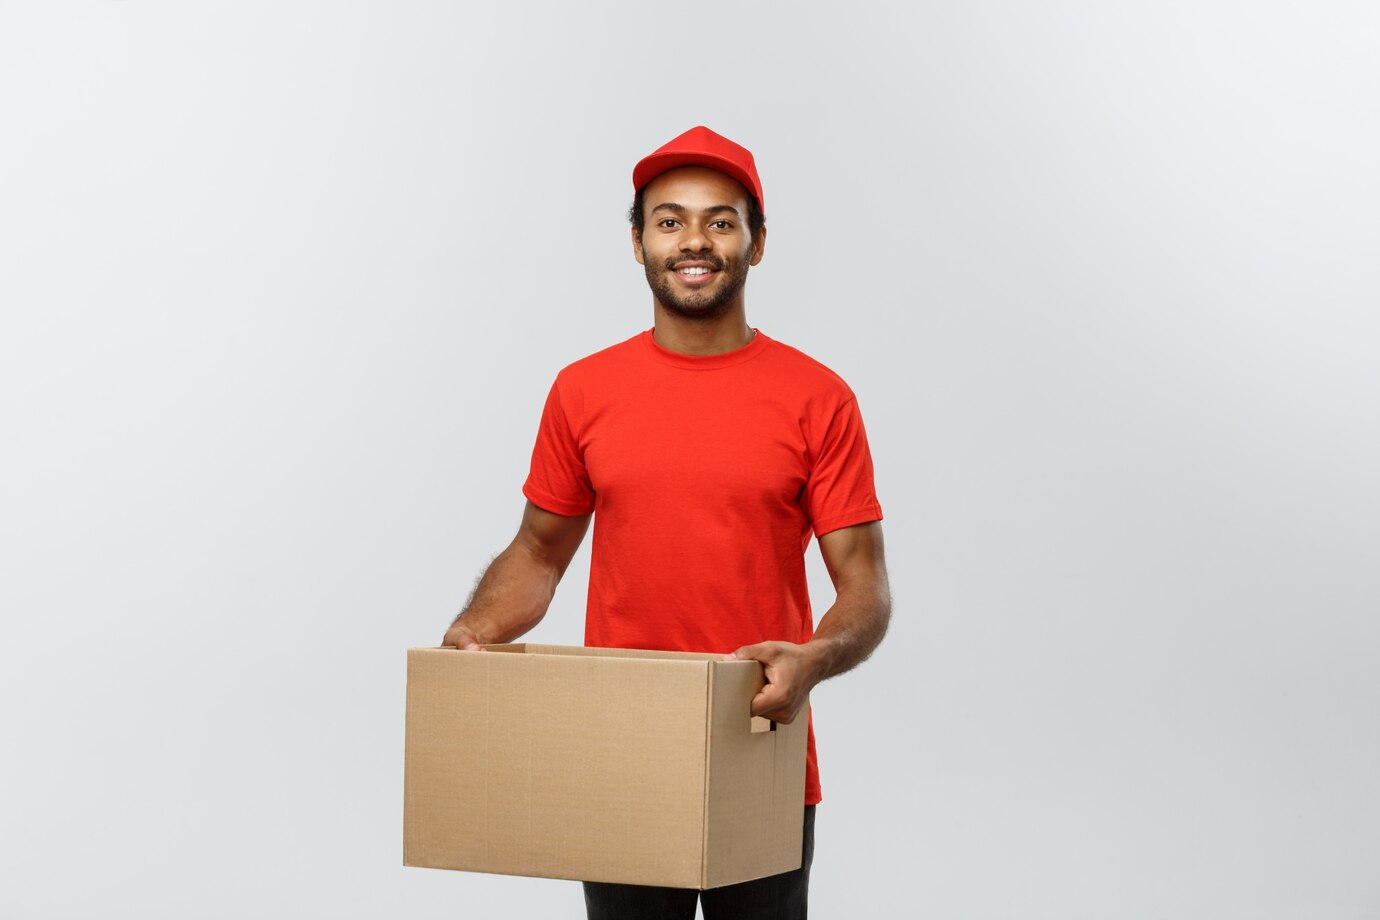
x=697 y=223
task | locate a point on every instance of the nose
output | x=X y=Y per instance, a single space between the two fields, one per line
x=694 y=239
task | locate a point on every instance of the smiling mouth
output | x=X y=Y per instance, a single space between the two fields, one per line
x=694 y=274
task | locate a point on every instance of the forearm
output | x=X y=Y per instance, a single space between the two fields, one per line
x=851 y=629
x=512 y=596
x=847 y=634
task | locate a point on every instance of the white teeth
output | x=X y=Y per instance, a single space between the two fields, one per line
x=694 y=270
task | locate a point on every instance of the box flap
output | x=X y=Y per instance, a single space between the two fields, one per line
x=755 y=783
x=585 y=651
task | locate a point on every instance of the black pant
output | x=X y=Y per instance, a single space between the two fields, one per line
x=776 y=897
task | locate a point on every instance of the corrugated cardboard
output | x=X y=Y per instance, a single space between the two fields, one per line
x=606 y=765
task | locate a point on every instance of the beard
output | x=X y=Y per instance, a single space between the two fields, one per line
x=694 y=305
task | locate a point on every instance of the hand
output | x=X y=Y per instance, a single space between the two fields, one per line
x=790 y=671
x=462 y=637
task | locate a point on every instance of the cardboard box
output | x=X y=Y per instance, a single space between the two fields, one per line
x=606 y=765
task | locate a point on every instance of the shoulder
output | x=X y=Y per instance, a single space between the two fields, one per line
x=805 y=373
x=602 y=365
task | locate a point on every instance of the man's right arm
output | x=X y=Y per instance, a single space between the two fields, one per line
x=514 y=592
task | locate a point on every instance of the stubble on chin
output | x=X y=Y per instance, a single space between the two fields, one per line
x=695 y=306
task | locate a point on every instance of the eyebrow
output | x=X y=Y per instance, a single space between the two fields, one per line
x=681 y=209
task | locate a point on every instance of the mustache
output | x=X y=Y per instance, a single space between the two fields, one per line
x=714 y=261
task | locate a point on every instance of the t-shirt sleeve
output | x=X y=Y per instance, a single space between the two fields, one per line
x=840 y=491
x=558 y=481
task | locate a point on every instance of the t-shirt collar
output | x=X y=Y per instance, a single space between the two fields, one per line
x=706 y=362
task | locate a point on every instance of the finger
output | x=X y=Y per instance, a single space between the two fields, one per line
x=783 y=714
x=767 y=701
x=761 y=651
x=778 y=711
x=462 y=639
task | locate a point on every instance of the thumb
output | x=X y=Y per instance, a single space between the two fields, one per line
x=746 y=653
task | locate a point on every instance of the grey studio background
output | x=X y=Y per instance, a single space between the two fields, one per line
x=284 y=286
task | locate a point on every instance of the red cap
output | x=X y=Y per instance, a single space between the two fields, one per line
x=701 y=147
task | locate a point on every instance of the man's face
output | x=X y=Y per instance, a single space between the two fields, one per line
x=695 y=245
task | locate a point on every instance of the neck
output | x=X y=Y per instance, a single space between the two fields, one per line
x=716 y=336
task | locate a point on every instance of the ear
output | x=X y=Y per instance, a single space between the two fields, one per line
x=637 y=246
x=758 y=245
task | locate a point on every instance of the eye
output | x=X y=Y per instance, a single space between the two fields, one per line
x=667 y=222
x=722 y=225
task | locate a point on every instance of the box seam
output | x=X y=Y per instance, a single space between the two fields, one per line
x=489 y=664
x=407 y=771
x=708 y=770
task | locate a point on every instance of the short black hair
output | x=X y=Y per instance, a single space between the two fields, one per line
x=756 y=220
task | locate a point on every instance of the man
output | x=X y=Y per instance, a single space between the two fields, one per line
x=707 y=455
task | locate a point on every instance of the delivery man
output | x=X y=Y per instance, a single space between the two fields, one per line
x=707 y=454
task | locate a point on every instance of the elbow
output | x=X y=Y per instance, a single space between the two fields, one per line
x=881 y=617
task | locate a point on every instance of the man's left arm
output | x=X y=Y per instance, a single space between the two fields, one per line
x=846 y=635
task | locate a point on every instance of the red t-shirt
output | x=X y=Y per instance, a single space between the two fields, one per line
x=707 y=475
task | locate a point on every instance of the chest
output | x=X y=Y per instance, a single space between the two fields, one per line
x=696 y=438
